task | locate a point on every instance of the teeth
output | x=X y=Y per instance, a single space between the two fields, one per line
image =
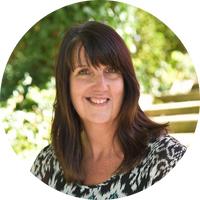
x=98 y=100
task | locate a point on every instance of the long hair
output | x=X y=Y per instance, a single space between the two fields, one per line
x=102 y=45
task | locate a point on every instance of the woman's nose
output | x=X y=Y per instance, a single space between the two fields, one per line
x=100 y=83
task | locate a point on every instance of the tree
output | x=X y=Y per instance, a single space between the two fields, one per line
x=151 y=43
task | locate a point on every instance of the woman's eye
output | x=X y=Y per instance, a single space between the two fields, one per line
x=111 y=70
x=84 y=71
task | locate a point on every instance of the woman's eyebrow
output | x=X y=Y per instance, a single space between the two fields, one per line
x=80 y=66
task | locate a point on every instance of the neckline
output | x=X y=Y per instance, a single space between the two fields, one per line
x=152 y=145
x=112 y=178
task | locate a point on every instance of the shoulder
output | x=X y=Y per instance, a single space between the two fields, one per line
x=47 y=151
x=165 y=152
x=44 y=156
x=167 y=146
x=45 y=164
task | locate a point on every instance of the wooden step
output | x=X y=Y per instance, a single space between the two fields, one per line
x=193 y=95
x=173 y=108
x=179 y=123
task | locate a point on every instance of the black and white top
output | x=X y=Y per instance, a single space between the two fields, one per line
x=164 y=154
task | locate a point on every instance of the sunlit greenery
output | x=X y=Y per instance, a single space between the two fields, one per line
x=28 y=87
x=28 y=130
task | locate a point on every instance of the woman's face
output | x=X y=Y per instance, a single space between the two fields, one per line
x=97 y=94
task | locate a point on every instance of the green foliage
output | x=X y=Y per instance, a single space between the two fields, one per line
x=27 y=90
x=149 y=40
x=28 y=130
x=160 y=58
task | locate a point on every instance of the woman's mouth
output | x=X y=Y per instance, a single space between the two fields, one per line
x=98 y=102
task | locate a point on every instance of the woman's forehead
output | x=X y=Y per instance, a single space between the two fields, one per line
x=79 y=53
x=95 y=57
x=80 y=56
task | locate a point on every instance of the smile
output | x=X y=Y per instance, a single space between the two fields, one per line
x=99 y=102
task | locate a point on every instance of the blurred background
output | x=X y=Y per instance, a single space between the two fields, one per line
x=169 y=86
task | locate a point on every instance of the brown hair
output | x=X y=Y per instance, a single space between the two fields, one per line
x=102 y=45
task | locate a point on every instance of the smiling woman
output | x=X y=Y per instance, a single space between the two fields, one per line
x=103 y=145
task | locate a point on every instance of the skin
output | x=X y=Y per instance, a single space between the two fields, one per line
x=105 y=87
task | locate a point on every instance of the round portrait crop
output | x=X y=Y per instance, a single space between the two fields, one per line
x=100 y=99
x=103 y=146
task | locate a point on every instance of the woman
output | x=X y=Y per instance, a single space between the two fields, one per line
x=103 y=145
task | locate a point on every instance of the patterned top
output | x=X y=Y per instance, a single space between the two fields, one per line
x=163 y=156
